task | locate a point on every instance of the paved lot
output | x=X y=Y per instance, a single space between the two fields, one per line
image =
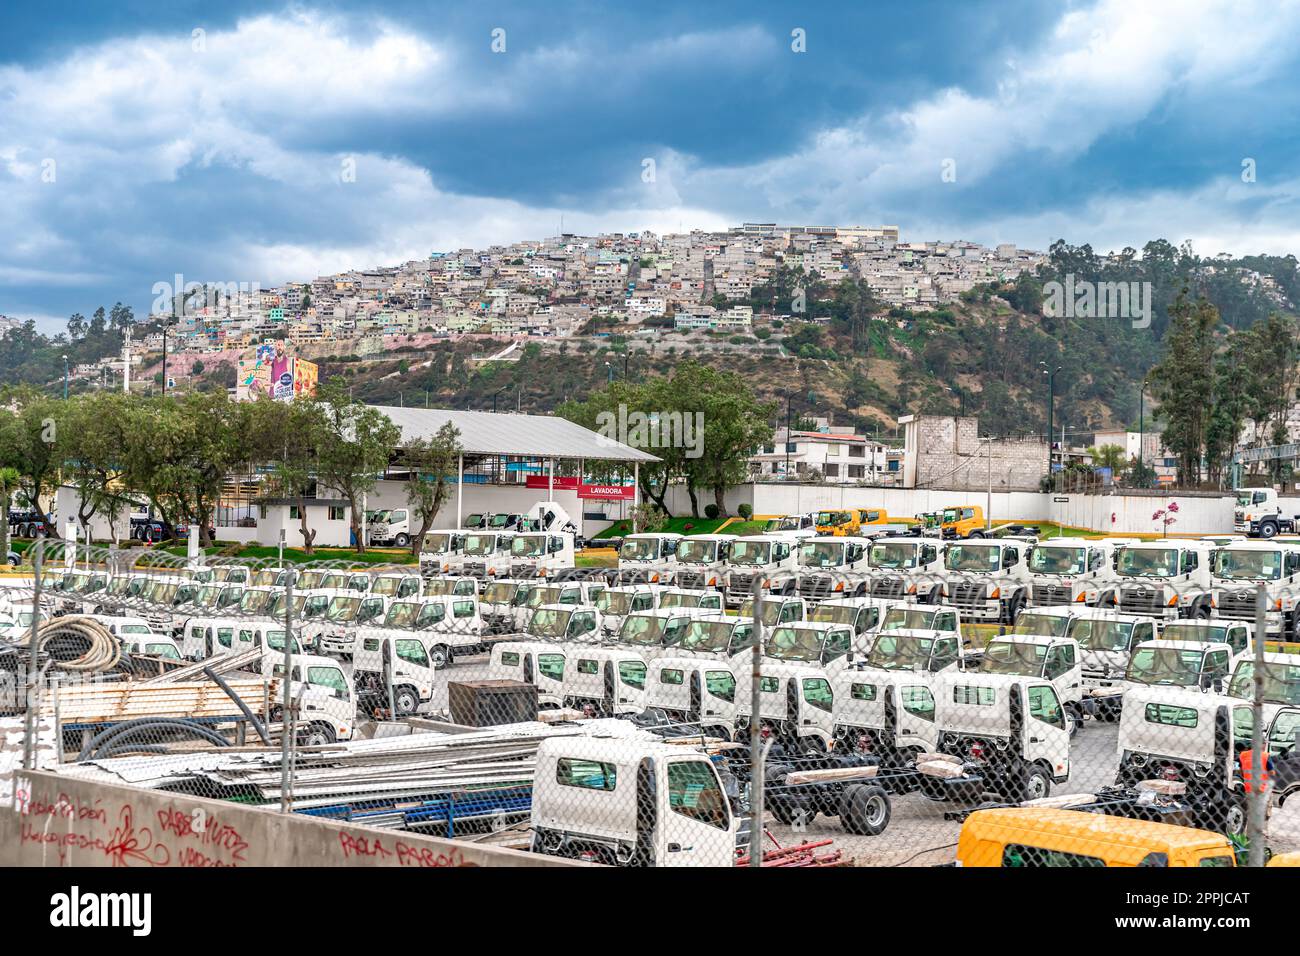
x=918 y=835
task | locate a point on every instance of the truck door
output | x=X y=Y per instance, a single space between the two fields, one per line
x=528 y=667
x=695 y=691
x=610 y=685
x=1046 y=736
x=915 y=724
x=695 y=825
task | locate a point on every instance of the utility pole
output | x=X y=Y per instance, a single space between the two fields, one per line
x=1051 y=396
x=65 y=378
x=1142 y=432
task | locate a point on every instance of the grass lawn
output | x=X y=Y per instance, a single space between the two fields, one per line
x=596 y=561
x=259 y=552
x=674 y=526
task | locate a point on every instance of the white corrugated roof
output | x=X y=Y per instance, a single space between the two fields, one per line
x=492 y=433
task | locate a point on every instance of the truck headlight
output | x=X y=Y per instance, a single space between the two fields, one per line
x=995 y=594
x=1173 y=601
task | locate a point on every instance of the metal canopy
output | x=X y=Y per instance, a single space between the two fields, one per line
x=491 y=433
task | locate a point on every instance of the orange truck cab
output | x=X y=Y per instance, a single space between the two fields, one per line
x=1045 y=836
x=963 y=521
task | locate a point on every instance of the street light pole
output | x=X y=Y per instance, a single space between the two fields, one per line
x=1051 y=401
x=1142 y=432
x=65 y=377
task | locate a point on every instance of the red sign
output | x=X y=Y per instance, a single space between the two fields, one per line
x=568 y=483
x=607 y=492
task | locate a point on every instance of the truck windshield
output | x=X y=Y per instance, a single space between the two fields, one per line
x=499 y=521
x=751 y=552
x=402 y=614
x=900 y=652
x=436 y=544
x=1103 y=635
x=500 y=593
x=1281 y=682
x=544 y=595
x=275 y=641
x=639 y=549
x=163 y=650
x=821 y=554
x=914 y=618
x=794 y=644
x=1164 y=665
x=1198 y=633
x=1248 y=565
x=207 y=596
x=435 y=587
x=643 y=629
x=528 y=546
x=480 y=543
x=255 y=602
x=1049 y=624
x=548 y=622
x=268 y=578
x=681 y=599
x=771 y=612
x=1149 y=562
x=950 y=515
x=342 y=609
x=834 y=614
x=310 y=579
x=120 y=586
x=613 y=602
x=386 y=586
x=1047 y=560
x=697 y=552
x=1013 y=657
x=893 y=555
x=789 y=523
x=1243 y=500
x=707 y=636
x=972 y=557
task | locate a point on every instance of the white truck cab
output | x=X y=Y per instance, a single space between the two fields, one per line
x=627 y=803
x=1236 y=571
x=162 y=594
x=863 y=614
x=715 y=635
x=796 y=704
x=830 y=566
x=541 y=554
x=648 y=558
x=151 y=645
x=705 y=600
x=1181 y=736
x=448 y=627
x=125 y=628
x=450 y=585
x=503 y=605
x=696 y=691
x=803 y=524
x=1073 y=571
x=1106 y=639
x=884 y=712
x=335 y=631
x=323 y=697
x=656 y=632
x=396 y=585
x=771 y=558
x=702 y=561
x=1194 y=664
x=272 y=577
x=616 y=603
x=812 y=642
x=1259 y=513
x=440 y=550
x=987 y=580
x=921 y=651
x=564 y=622
x=1009 y=732
x=321 y=579
x=906 y=569
x=389 y=527
x=1055 y=659
x=776 y=610
x=484 y=555
x=1167 y=579
x=540 y=663
x=604 y=681
x=942 y=620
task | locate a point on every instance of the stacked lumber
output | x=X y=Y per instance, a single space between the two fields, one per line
x=129 y=700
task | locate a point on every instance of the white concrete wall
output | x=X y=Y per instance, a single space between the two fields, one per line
x=330 y=533
x=1128 y=514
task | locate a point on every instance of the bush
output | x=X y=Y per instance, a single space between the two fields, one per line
x=711 y=512
x=746 y=511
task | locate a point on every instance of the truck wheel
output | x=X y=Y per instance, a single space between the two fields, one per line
x=402 y=541
x=405 y=701
x=1034 y=784
x=1267 y=529
x=1230 y=817
x=317 y=735
x=1016 y=605
x=440 y=656
x=864 y=809
x=1075 y=716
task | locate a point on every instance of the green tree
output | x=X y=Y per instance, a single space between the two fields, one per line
x=1183 y=382
x=429 y=463
x=355 y=445
x=29 y=443
x=285 y=435
x=9 y=483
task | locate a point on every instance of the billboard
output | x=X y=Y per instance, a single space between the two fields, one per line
x=270 y=371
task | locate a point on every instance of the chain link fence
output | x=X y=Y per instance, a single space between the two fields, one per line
x=895 y=715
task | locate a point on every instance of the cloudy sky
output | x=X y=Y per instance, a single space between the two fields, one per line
x=273 y=142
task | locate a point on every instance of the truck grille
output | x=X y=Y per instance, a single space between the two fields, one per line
x=1142 y=600
x=690 y=579
x=740 y=582
x=817 y=587
x=475 y=569
x=1046 y=595
x=523 y=570
x=968 y=595
x=887 y=587
x=1239 y=605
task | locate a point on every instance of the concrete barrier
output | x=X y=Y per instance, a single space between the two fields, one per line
x=55 y=820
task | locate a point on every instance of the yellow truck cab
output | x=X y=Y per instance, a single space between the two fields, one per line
x=872 y=516
x=842 y=522
x=1285 y=859
x=1045 y=836
x=963 y=521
